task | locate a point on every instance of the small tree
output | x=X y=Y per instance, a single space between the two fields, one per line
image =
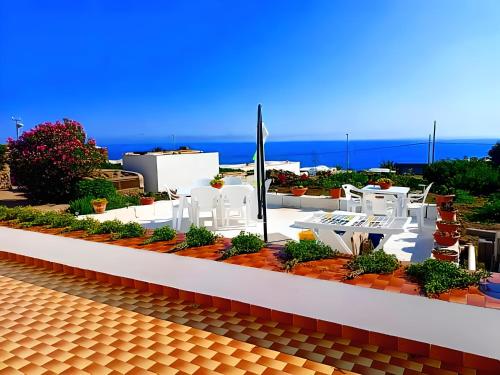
x=51 y=158
x=494 y=154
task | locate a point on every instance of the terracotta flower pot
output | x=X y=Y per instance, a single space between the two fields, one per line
x=447 y=227
x=99 y=207
x=298 y=192
x=446 y=239
x=440 y=199
x=448 y=215
x=384 y=185
x=336 y=193
x=447 y=255
x=147 y=201
x=217 y=185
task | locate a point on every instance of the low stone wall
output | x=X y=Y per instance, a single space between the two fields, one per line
x=5 y=183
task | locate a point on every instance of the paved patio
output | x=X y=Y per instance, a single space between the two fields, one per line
x=53 y=322
x=411 y=246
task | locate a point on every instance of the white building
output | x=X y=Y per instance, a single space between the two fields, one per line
x=173 y=168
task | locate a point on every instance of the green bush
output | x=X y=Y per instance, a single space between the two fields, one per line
x=164 y=233
x=244 y=243
x=475 y=176
x=96 y=188
x=411 y=181
x=374 y=262
x=494 y=154
x=107 y=227
x=436 y=276
x=197 y=236
x=489 y=213
x=129 y=230
x=121 y=201
x=81 y=206
x=305 y=251
x=462 y=196
x=3 y=155
x=88 y=224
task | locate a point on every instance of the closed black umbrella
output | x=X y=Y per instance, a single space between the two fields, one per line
x=261 y=172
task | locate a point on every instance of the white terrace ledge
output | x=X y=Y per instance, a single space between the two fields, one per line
x=456 y=326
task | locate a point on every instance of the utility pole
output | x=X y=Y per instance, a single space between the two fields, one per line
x=347 y=150
x=434 y=143
x=429 y=151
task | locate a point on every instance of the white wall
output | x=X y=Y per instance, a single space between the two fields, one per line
x=452 y=325
x=173 y=170
x=145 y=165
x=183 y=169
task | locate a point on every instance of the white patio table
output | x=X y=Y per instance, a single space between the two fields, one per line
x=401 y=192
x=326 y=225
x=184 y=193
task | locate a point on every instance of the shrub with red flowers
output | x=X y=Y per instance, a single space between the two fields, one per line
x=51 y=158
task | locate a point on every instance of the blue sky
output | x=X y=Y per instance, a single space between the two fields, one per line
x=142 y=70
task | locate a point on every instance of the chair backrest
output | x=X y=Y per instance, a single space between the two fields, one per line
x=236 y=196
x=172 y=193
x=232 y=180
x=267 y=183
x=202 y=182
x=205 y=197
x=351 y=191
x=426 y=192
x=379 y=204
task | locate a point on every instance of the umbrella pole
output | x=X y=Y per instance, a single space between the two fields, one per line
x=257 y=165
x=262 y=185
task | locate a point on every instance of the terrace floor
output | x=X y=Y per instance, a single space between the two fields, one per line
x=411 y=246
x=52 y=322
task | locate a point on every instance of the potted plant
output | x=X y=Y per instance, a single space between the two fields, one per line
x=448 y=226
x=448 y=255
x=217 y=182
x=446 y=239
x=147 y=199
x=447 y=211
x=440 y=199
x=298 y=191
x=334 y=187
x=384 y=183
x=99 y=205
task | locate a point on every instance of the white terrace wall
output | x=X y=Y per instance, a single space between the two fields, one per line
x=462 y=327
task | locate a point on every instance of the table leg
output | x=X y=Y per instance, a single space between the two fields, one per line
x=332 y=239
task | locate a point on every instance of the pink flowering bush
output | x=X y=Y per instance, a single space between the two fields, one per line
x=51 y=158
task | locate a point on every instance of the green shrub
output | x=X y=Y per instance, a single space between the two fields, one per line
x=411 y=181
x=60 y=220
x=374 y=262
x=436 y=276
x=305 y=251
x=475 y=176
x=87 y=224
x=494 y=154
x=3 y=155
x=26 y=214
x=121 y=201
x=129 y=230
x=107 y=227
x=164 y=233
x=462 y=196
x=244 y=243
x=197 y=236
x=489 y=213
x=7 y=213
x=96 y=188
x=81 y=206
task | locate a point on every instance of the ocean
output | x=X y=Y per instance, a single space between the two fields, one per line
x=362 y=153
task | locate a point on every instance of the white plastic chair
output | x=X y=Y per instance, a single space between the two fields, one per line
x=204 y=199
x=236 y=199
x=417 y=202
x=267 y=184
x=232 y=180
x=202 y=182
x=173 y=200
x=380 y=204
x=353 y=196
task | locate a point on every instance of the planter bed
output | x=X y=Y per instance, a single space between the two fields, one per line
x=343 y=304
